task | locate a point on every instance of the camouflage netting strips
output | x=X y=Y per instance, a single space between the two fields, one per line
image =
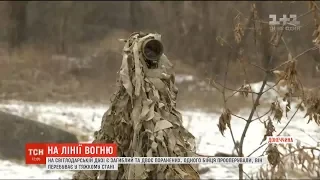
x=143 y=119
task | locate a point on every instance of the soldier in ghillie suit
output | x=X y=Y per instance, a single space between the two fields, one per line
x=143 y=120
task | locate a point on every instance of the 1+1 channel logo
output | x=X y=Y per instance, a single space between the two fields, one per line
x=284 y=23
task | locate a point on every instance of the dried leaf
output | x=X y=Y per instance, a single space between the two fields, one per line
x=270 y=129
x=273 y=155
x=290 y=57
x=238 y=32
x=277 y=110
x=288 y=108
x=224 y=121
x=138 y=72
x=159 y=84
x=124 y=75
x=161 y=125
x=244 y=90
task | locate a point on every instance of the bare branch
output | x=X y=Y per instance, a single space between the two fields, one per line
x=295 y=58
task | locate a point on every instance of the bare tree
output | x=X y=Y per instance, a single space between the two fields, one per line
x=17 y=26
x=63 y=26
x=287 y=76
x=265 y=36
x=134 y=10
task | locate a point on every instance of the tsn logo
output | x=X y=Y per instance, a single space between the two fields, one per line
x=35 y=153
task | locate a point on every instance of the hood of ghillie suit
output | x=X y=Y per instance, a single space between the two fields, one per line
x=142 y=119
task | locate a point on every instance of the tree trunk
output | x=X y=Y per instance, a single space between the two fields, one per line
x=174 y=19
x=17 y=23
x=134 y=8
x=265 y=38
x=63 y=27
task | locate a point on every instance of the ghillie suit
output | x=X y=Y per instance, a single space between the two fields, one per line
x=143 y=120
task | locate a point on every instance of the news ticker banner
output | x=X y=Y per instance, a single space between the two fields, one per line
x=84 y=156
x=111 y=163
